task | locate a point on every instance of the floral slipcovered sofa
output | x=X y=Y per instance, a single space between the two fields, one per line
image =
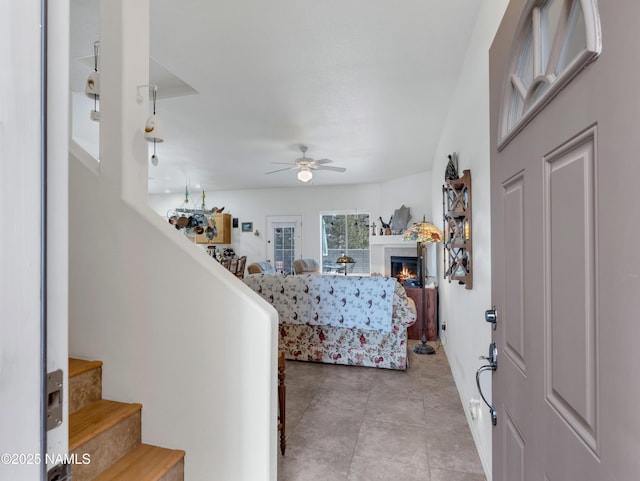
x=355 y=320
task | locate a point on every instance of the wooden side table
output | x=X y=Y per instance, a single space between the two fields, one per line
x=427 y=309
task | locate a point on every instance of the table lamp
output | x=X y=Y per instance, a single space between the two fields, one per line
x=421 y=233
x=345 y=261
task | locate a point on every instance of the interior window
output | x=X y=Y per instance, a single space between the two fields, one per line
x=345 y=233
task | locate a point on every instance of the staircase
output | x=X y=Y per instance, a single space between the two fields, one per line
x=108 y=434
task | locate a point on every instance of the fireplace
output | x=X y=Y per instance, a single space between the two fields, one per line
x=405 y=269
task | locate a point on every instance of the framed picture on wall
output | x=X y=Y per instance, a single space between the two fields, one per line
x=247 y=227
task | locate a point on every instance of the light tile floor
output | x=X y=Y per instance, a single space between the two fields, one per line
x=347 y=423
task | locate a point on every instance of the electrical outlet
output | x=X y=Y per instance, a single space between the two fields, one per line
x=474 y=408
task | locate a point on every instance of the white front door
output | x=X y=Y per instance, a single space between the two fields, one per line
x=283 y=241
x=565 y=172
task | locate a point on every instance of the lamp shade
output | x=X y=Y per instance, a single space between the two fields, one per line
x=153 y=129
x=345 y=260
x=305 y=175
x=423 y=232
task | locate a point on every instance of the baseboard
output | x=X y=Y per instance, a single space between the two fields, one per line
x=485 y=457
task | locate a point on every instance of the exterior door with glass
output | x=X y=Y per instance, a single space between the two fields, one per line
x=565 y=276
x=283 y=241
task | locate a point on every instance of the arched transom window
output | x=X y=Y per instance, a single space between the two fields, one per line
x=554 y=40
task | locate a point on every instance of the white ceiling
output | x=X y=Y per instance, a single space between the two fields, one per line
x=365 y=83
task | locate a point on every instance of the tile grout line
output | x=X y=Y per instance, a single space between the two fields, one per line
x=355 y=447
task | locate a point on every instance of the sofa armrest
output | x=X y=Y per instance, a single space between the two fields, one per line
x=412 y=308
x=404 y=309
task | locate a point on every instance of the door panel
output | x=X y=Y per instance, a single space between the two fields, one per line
x=514 y=377
x=565 y=273
x=514 y=445
x=513 y=201
x=570 y=279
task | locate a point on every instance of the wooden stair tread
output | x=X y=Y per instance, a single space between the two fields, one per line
x=96 y=418
x=78 y=366
x=144 y=463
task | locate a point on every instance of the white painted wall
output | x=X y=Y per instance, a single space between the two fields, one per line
x=308 y=201
x=466 y=131
x=176 y=331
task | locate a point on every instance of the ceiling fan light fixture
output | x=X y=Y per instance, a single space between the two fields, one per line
x=305 y=175
x=306 y=165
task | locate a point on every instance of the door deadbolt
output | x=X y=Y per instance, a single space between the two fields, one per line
x=491 y=315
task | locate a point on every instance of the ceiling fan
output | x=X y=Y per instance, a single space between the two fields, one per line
x=306 y=165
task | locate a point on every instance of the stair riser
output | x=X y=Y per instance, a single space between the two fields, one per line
x=107 y=447
x=84 y=389
x=176 y=473
x=108 y=434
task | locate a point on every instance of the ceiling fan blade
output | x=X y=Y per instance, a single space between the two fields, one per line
x=281 y=170
x=305 y=163
x=334 y=169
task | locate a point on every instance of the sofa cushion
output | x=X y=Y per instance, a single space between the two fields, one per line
x=306 y=266
x=262 y=267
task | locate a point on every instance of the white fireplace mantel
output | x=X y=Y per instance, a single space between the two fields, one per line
x=382 y=247
x=389 y=241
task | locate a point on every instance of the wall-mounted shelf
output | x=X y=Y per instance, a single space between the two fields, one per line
x=456 y=206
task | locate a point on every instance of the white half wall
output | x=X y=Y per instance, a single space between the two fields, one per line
x=466 y=131
x=176 y=332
